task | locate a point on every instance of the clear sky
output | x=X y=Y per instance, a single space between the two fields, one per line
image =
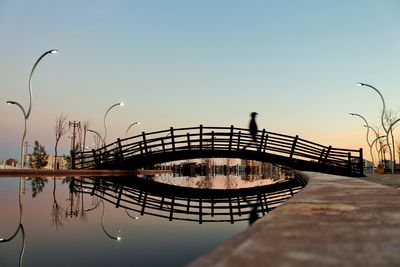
x=185 y=63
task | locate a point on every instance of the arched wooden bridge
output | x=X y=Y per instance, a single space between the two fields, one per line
x=148 y=149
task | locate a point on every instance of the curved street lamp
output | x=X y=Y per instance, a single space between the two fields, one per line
x=376 y=135
x=24 y=134
x=104 y=120
x=26 y=114
x=95 y=132
x=367 y=135
x=382 y=115
x=130 y=126
x=52 y=51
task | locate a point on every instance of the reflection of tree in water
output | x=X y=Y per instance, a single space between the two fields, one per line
x=37 y=184
x=205 y=182
x=82 y=213
x=189 y=181
x=57 y=211
x=230 y=182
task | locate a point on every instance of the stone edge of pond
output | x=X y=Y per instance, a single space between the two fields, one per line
x=333 y=221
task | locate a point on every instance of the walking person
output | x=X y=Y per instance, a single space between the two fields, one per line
x=253 y=126
x=253 y=129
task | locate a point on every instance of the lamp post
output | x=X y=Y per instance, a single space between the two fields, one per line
x=24 y=134
x=95 y=132
x=104 y=120
x=52 y=51
x=367 y=135
x=130 y=126
x=26 y=114
x=376 y=135
x=382 y=116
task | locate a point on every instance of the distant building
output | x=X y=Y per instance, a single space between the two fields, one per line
x=63 y=162
x=12 y=162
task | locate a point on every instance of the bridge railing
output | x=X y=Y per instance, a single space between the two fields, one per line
x=219 y=139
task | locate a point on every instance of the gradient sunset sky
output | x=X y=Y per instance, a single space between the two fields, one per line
x=185 y=63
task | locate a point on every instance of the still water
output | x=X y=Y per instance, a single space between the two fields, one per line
x=78 y=222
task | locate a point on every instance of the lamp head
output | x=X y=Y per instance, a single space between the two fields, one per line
x=360 y=84
x=352 y=114
x=11 y=103
x=121 y=104
x=53 y=51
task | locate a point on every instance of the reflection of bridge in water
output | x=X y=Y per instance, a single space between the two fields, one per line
x=169 y=145
x=146 y=196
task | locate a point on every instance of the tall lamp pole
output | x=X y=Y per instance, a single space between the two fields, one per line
x=104 y=120
x=130 y=126
x=376 y=144
x=382 y=117
x=24 y=134
x=26 y=114
x=387 y=140
x=367 y=135
x=52 y=51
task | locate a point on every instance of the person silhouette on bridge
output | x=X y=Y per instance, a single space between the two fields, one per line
x=253 y=126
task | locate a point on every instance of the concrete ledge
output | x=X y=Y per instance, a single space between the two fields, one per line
x=333 y=221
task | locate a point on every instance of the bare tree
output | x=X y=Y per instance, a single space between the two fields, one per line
x=390 y=118
x=60 y=129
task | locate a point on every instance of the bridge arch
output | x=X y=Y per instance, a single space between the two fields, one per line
x=148 y=149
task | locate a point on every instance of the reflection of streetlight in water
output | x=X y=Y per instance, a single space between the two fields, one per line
x=118 y=237
x=133 y=217
x=20 y=226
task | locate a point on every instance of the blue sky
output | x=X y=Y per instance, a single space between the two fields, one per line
x=185 y=63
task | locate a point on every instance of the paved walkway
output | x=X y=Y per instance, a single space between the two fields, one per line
x=333 y=221
x=392 y=180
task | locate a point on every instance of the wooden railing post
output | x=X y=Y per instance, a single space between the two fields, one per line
x=321 y=155
x=144 y=142
x=212 y=140
x=96 y=160
x=188 y=140
x=361 y=162
x=349 y=159
x=172 y=138
x=294 y=146
x=265 y=143
x=262 y=140
x=201 y=137
x=327 y=153
x=230 y=138
x=141 y=148
x=163 y=144
x=120 y=152
x=73 y=158
x=238 y=143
